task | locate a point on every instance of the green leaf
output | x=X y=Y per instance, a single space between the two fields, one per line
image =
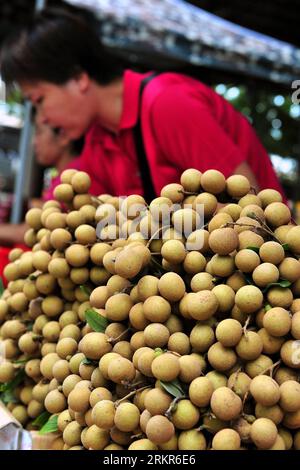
x=173 y=388
x=281 y=283
x=253 y=248
x=286 y=247
x=96 y=321
x=50 y=426
x=1 y=287
x=248 y=278
x=41 y=419
x=22 y=361
x=8 y=397
x=268 y=307
x=88 y=362
x=161 y=269
x=158 y=352
x=10 y=386
x=252 y=215
x=85 y=290
x=29 y=325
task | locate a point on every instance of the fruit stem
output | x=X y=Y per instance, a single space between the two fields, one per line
x=155 y=233
x=168 y=413
x=173 y=352
x=37 y=337
x=97 y=200
x=246 y=326
x=137 y=436
x=271 y=368
x=266 y=227
x=125 y=290
x=131 y=385
x=244 y=399
x=117 y=403
x=188 y=193
x=115 y=340
x=202 y=428
x=235 y=378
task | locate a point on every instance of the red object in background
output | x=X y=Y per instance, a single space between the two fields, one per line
x=4 y=252
x=6 y=201
x=185 y=125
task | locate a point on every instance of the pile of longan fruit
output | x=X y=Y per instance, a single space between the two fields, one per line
x=134 y=330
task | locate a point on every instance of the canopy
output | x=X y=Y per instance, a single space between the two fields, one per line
x=177 y=31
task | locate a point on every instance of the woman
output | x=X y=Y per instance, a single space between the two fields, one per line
x=61 y=66
x=52 y=149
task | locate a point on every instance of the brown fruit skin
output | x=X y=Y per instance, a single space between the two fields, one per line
x=55 y=402
x=142 y=444
x=292 y=239
x=164 y=283
x=265 y=390
x=127 y=417
x=156 y=309
x=290 y=354
x=295 y=328
x=95 y=345
x=274 y=413
x=265 y=274
x=292 y=420
x=179 y=342
x=97 y=438
x=186 y=415
x=78 y=399
x=157 y=402
x=121 y=369
x=271 y=252
x=267 y=196
x=290 y=396
x=200 y=391
x=118 y=307
x=202 y=305
x=190 y=368
x=229 y=332
x=223 y=241
x=263 y=433
x=225 y=404
x=250 y=346
x=277 y=321
x=226 y=439
x=237 y=186
x=245 y=297
x=166 y=367
x=159 y=429
x=277 y=214
x=220 y=358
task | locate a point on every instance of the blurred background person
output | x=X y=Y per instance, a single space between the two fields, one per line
x=53 y=150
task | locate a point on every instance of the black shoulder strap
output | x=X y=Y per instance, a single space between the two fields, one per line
x=149 y=192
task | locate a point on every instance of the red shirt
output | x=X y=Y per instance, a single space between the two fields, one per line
x=185 y=125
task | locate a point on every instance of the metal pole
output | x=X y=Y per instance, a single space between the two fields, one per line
x=25 y=153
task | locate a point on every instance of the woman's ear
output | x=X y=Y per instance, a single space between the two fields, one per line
x=83 y=82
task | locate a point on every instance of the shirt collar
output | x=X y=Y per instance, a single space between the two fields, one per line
x=131 y=86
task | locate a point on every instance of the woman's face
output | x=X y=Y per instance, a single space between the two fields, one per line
x=61 y=106
x=48 y=145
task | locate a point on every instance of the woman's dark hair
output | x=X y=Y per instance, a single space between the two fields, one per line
x=55 y=47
